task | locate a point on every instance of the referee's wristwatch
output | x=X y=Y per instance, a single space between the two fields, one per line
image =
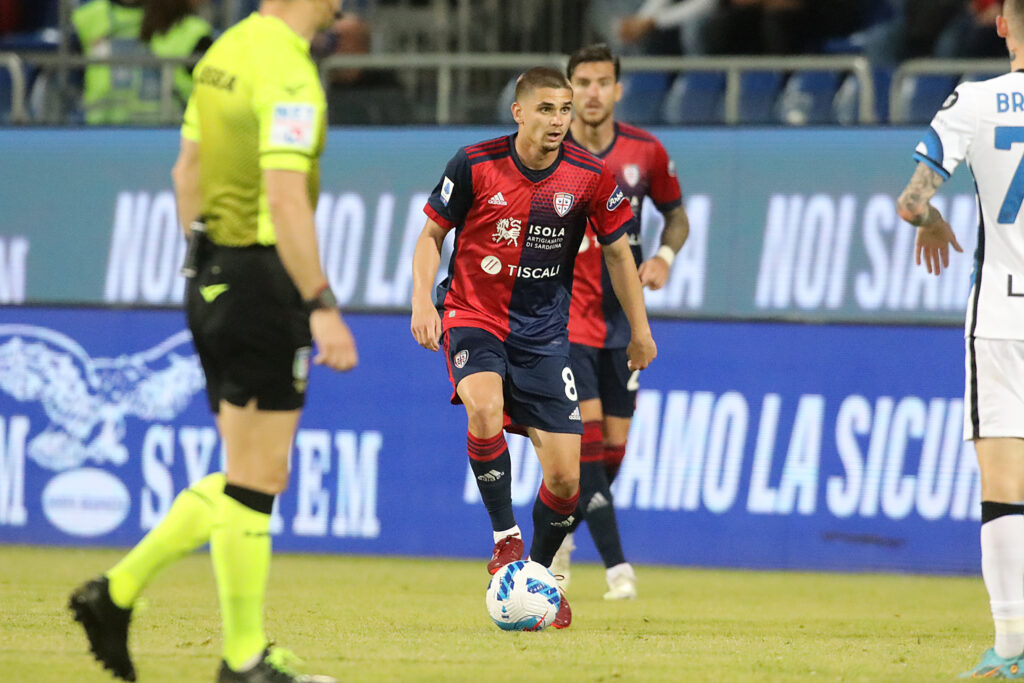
x=323 y=299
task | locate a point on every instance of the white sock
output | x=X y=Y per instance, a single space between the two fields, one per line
x=514 y=531
x=1002 y=566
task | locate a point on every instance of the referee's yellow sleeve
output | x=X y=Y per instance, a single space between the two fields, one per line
x=291 y=117
x=190 y=126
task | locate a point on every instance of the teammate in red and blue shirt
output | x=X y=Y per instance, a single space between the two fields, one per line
x=519 y=206
x=597 y=326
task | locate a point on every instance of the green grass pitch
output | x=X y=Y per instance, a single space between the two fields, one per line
x=398 y=619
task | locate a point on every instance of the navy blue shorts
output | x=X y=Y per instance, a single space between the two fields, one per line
x=605 y=374
x=539 y=390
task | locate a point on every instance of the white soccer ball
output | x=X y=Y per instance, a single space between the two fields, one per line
x=523 y=596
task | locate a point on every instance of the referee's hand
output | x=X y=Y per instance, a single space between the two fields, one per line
x=335 y=346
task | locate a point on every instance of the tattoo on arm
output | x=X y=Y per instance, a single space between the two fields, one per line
x=913 y=204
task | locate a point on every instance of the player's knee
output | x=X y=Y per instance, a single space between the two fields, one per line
x=485 y=416
x=562 y=483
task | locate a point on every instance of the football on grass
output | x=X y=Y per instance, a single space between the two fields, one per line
x=523 y=596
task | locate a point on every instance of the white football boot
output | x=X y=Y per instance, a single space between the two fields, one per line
x=560 y=563
x=621 y=582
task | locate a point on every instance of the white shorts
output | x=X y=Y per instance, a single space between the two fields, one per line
x=994 y=391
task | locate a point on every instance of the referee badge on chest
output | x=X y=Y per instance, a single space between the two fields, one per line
x=300 y=369
x=461 y=358
x=563 y=202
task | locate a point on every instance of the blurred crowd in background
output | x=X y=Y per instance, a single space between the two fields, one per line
x=886 y=32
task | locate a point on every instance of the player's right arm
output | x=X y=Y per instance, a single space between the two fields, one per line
x=290 y=127
x=447 y=206
x=944 y=146
x=934 y=234
x=295 y=229
x=426 y=323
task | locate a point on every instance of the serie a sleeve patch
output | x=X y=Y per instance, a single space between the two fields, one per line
x=293 y=126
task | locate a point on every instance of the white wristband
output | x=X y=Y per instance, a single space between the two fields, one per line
x=666 y=254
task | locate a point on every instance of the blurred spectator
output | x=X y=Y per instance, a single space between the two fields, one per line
x=686 y=16
x=10 y=16
x=125 y=94
x=359 y=96
x=784 y=27
x=936 y=28
x=624 y=26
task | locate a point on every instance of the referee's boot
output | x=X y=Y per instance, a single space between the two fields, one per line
x=273 y=667
x=106 y=626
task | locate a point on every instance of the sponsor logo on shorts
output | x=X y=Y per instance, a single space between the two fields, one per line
x=461 y=358
x=300 y=369
x=490 y=265
x=575 y=414
x=563 y=202
x=615 y=199
x=446 y=190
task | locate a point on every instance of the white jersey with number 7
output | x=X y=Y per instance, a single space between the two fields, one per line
x=983 y=123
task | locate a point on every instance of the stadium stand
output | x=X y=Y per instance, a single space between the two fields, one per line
x=417 y=36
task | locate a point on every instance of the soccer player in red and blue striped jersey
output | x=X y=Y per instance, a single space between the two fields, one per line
x=597 y=326
x=519 y=206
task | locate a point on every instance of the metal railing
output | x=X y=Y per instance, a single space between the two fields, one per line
x=14 y=65
x=899 y=105
x=446 y=64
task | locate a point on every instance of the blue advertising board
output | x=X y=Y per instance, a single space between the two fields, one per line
x=755 y=444
x=794 y=223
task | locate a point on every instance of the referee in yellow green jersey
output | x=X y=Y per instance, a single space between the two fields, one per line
x=246 y=180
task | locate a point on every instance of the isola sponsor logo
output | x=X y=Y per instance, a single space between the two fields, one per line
x=216 y=78
x=531 y=273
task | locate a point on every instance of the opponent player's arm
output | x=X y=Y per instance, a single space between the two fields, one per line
x=295 y=230
x=618 y=257
x=185 y=175
x=934 y=234
x=426 y=259
x=654 y=271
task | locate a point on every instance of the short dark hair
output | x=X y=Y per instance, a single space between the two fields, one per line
x=540 y=77
x=592 y=53
x=1018 y=15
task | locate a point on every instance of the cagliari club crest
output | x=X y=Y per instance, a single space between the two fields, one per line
x=631 y=174
x=563 y=202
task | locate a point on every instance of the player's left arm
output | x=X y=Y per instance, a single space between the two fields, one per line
x=654 y=271
x=934 y=234
x=618 y=257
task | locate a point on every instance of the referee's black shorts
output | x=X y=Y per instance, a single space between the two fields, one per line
x=250 y=329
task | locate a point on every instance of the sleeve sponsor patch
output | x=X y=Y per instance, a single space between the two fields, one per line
x=672 y=168
x=446 y=190
x=615 y=199
x=293 y=125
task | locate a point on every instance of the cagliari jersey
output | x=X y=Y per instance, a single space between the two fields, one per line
x=983 y=123
x=642 y=168
x=517 y=233
x=257 y=105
